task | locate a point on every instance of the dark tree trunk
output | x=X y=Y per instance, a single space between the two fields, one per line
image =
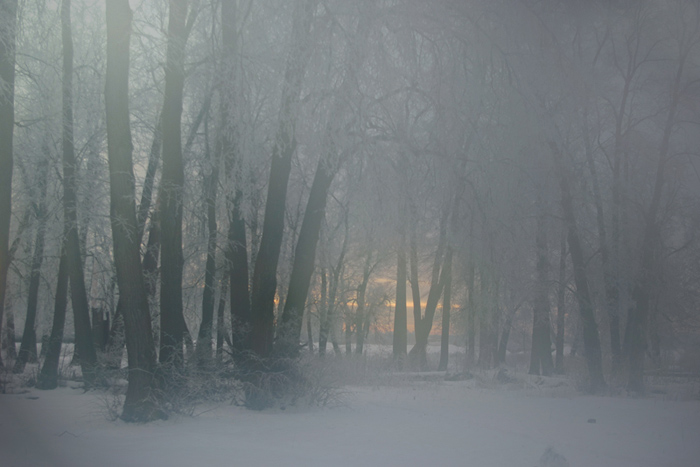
x=289 y=331
x=265 y=272
x=591 y=339
x=471 y=317
x=309 y=332
x=400 y=340
x=149 y=180
x=327 y=326
x=27 y=349
x=171 y=193
x=204 y=339
x=237 y=245
x=221 y=333
x=81 y=310
x=505 y=336
x=8 y=343
x=241 y=318
x=48 y=377
x=541 y=351
x=139 y=404
x=424 y=324
x=8 y=13
x=361 y=305
x=446 y=309
x=561 y=306
x=636 y=329
x=610 y=274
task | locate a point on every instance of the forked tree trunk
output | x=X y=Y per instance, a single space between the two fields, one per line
x=139 y=403
x=27 y=348
x=591 y=339
x=81 y=309
x=265 y=272
x=637 y=320
x=8 y=20
x=289 y=331
x=424 y=324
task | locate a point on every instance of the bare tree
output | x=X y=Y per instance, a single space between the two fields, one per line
x=139 y=403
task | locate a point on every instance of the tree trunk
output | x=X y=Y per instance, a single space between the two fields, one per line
x=505 y=336
x=446 y=309
x=48 y=376
x=8 y=13
x=636 y=329
x=81 y=310
x=561 y=307
x=541 y=352
x=471 y=317
x=139 y=405
x=221 y=334
x=27 y=349
x=171 y=192
x=400 y=340
x=204 y=339
x=361 y=305
x=265 y=272
x=289 y=331
x=8 y=343
x=424 y=324
x=327 y=326
x=591 y=339
x=309 y=332
x=610 y=275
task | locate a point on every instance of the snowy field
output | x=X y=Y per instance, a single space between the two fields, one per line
x=418 y=420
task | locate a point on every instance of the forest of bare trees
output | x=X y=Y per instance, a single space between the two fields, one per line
x=215 y=184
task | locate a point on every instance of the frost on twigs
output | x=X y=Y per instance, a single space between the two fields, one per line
x=286 y=382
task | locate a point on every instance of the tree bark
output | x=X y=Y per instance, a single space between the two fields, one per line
x=81 y=309
x=27 y=348
x=327 y=326
x=471 y=316
x=591 y=339
x=446 y=309
x=203 y=350
x=636 y=330
x=265 y=272
x=561 y=306
x=289 y=331
x=610 y=275
x=541 y=353
x=171 y=193
x=400 y=339
x=48 y=376
x=221 y=333
x=424 y=324
x=8 y=15
x=139 y=405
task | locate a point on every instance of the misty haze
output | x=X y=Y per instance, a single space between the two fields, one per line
x=350 y=233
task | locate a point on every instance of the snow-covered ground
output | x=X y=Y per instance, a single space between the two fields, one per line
x=411 y=422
